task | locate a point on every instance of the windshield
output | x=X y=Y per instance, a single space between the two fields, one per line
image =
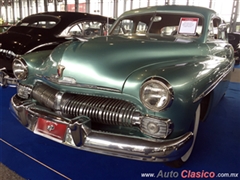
x=43 y=21
x=159 y=24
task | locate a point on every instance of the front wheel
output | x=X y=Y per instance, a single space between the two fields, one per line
x=179 y=162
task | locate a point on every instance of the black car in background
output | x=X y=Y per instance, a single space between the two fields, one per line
x=44 y=31
x=234 y=40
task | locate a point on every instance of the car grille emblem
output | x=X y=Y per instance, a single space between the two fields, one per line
x=60 y=70
x=50 y=128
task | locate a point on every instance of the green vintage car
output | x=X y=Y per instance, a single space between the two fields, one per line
x=138 y=93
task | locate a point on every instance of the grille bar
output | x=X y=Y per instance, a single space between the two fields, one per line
x=98 y=109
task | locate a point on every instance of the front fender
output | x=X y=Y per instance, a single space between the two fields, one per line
x=35 y=61
x=189 y=79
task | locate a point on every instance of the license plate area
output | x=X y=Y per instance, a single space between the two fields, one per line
x=51 y=130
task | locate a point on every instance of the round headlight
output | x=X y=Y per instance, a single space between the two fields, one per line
x=20 y=69
x=156 y=95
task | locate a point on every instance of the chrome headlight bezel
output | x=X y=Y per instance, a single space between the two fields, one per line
x=20 y=69
x=166 y=97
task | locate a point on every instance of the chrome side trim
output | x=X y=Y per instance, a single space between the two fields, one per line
x=214 y=84
x=42 y=45
x=79 y=135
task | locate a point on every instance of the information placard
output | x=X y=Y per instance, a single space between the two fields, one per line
x=188 y=26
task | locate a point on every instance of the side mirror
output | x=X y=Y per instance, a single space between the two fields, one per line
x=223 y=27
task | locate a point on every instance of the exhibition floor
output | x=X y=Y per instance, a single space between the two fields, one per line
x=217 y=149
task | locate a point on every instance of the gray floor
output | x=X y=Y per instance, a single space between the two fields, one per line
x=7 y=174
x=235 y=76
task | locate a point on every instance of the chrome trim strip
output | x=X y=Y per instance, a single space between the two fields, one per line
x=9 y=53
x=42 y=45
x=210 y=88
x=88 y=86
x=79 y=135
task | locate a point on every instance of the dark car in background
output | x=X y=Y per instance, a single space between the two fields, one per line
x=44 y=31
x=234 y=40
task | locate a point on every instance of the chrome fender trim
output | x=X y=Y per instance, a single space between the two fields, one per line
x=214 y=84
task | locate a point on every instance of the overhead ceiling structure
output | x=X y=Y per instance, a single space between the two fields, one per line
x=13 y=10
x=234 y=15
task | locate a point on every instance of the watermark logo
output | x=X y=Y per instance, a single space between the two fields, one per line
x=198 y=174
x=189 y=174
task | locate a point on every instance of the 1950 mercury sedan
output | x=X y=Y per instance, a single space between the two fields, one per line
x=138 y=93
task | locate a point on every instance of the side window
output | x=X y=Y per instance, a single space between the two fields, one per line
x=141 y=28
x=41 y=24
x=85 y=29
x=75 y=30
x=92 y=28
x=211 y=30
x=124 y=27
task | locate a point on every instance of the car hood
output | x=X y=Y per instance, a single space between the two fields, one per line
x=109 y=61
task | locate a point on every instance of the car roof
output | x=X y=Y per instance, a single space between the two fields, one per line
x=69 y=15
x=206 y=12
x=64 y=20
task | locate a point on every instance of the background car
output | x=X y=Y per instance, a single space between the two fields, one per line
x=45 y=31
x=139 y=93
x=234 y=40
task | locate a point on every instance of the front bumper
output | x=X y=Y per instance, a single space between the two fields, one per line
x=78 y=134
x=6 y=80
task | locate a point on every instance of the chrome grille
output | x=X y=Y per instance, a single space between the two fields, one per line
x=44 y=94
x=98 y=109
